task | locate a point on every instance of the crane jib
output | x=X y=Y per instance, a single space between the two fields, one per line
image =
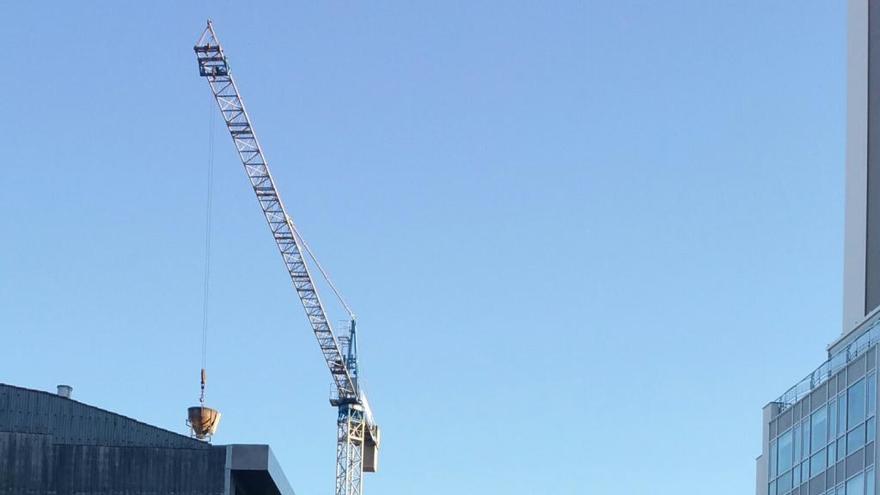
x=358 y=436
x=214 y=68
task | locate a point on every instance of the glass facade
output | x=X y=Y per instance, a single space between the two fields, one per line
x=837 y=362
x=824 y=444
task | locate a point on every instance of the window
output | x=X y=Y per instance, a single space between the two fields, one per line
x=819 y=427
x=869 y=481
x=773 y=459
x=805 y=443
x=872 y=394
x=817 y=463
x=841 y=448
x=871 y=430
x=855 y=439
x=855 y=397
x=841 y=415
x=832 y=418
x=856 y=486
x=783 y=484
x=832 y=457
x=797 y=443
x=786 y=449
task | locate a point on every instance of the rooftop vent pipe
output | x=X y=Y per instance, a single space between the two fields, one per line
x=65 y=391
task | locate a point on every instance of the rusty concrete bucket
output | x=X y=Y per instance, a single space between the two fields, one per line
x=203 y=421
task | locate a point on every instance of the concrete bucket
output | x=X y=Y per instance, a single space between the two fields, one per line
x=203 y=421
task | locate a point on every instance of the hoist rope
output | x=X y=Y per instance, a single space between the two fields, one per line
x=320 y=268
x=207 y=278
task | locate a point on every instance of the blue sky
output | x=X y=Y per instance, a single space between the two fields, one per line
x=586 y=241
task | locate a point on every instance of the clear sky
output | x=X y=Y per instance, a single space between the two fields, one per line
x=586 y=241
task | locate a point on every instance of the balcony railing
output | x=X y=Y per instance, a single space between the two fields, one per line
x=837 y=362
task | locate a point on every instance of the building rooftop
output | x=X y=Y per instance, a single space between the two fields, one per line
x=54 y=444
x=857 y=343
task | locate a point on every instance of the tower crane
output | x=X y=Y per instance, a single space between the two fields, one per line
x=357 y=434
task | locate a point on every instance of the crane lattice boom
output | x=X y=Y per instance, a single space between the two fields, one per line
x=355 y=426
x=213 y=66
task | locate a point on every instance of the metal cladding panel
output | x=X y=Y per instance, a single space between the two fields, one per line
x=57 y=446
x=872 y=248
x=256 y=471
x=25 y=463
x=88 y=469
x=31 y=464
x=70 y=422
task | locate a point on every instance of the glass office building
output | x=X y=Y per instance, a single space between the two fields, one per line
x=820 y=437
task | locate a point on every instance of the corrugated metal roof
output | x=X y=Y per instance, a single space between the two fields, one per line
x=25 y=410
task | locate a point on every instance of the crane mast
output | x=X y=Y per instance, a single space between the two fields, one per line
x=357 y=434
